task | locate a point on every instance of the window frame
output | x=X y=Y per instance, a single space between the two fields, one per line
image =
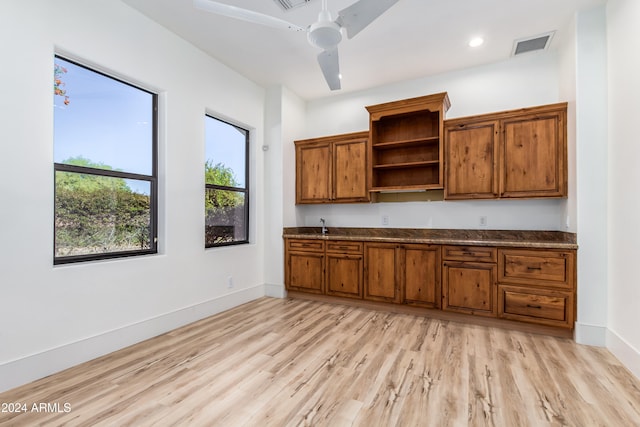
x=244 y=189
x=152 y=179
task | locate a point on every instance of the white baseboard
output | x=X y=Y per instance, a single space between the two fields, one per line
x=590 y=334
x=624 y=352
x=274 y=291
x=30 y=368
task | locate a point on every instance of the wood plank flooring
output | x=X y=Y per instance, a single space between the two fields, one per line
x=290 y=362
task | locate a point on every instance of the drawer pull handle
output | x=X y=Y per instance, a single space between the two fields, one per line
x=467 y=253
x=534 y=268
x=534 y=306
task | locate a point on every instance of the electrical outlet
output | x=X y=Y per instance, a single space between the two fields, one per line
x=483 y=221
x=230 y=282
x=385 y=219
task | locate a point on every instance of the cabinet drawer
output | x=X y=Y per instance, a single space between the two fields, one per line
x=469 y=253
x=305 y=245
x=344 y=246
x=547 y=307
x=537 y=268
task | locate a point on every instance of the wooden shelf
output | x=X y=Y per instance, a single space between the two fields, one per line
x=406 y=151
x=405 y=188
x=408 y=165
x=406 y=143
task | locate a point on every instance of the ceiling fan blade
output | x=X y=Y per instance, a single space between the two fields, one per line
x=362 y=13
x=245 y=15
x=330 y=66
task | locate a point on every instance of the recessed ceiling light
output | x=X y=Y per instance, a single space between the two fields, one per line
x=476 y=41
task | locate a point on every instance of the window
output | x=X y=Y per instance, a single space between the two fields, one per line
x=226 y=183
x=105 y=166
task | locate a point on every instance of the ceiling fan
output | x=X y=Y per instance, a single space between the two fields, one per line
x=324 y=33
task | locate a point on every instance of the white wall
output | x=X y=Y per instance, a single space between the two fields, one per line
x=623 y=36
x=54 y=317
x=285 y=119
x=528 y=80
x=591 y=156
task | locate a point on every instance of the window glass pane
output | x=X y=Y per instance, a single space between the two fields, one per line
x=226 y=154
x=101 y=122
x=225 y=217
x=100 y=215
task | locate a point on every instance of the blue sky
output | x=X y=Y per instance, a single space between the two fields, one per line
x=110 y=122
x=106 y=121
x=225 y=144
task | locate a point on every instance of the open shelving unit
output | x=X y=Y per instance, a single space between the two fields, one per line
x=406 y=148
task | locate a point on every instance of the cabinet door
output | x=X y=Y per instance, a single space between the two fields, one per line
x=469 y=288
x=344 y=275
x=305 y=272
x=533 y=157
x=313 y=173
x=350 y=171
x=380 y=281
x=471 y=160
x=421 y=275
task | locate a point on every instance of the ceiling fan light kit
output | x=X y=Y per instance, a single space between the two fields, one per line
x=325 y=34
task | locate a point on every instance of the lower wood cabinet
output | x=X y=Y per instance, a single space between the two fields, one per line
x=537 y=286
x=304 y=265
x=469 y=280
x=543 y=306
x=381 y=272
x=344 y=269
x=526 y=285
x=420 y=272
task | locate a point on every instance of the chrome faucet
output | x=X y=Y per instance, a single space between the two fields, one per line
x=324 y=228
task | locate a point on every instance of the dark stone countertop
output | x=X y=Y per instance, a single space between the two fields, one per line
x=504 y=238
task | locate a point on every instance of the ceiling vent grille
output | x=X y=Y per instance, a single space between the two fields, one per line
x=532 y=44
x=291 y=4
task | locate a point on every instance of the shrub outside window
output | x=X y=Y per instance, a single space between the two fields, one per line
x=105 y=166
x=226 y=183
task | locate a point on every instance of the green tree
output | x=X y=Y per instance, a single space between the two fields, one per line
x=98 y=214
x=223 y=207
x=88 y=182
x=221 y=175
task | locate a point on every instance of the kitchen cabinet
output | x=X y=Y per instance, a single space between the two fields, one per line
x=406 y=144
x=380 y=272
x=420 y=268
x=528 y=284
x=304 y=265
x=471 y=159
x=344 y=268
x=469 y=280
x=511 y=154
x=332 y=169
x=537 y=286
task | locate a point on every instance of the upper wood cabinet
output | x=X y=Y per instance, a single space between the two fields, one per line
x=471 y=160
x=511 y=154
x=332 y=169
x=405 y=144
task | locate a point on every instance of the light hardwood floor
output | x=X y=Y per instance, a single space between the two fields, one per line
x=291 y=362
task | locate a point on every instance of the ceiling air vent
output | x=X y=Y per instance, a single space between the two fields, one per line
x=291 y=4
x=531 y=44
